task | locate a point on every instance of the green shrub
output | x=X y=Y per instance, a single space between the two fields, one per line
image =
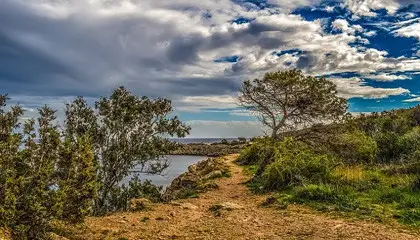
x=415 y=184
x=43 y=177
x=410 y=142
x=411 y=217
x=313 y=192
x=296 y=164
x=389 y=195
x=355 y=147
x=390 y=148
x=257 y=152
x=321 y=196
x=121 y=196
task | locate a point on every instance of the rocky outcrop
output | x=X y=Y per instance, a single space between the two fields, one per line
x=5 y=234
x=140 y=204
x=197 y=179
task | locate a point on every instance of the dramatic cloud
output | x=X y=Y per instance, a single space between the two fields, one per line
x=386 y=77
x=221 y=129
x=197 y=53
x=368 y=7
x=356 y=87
x=417 y=99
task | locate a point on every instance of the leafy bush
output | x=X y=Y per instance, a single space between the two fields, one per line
x=314 y=193
x=42 y=176
x=389 y=147
x=52 y=174
x=296 y=164
x=121 y=196
x=257 y=152
x=355 y=147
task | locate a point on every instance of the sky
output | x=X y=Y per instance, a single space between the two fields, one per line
x=198 y=53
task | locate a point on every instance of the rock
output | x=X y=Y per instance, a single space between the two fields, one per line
x=175 y=204
x=189 y=206
x=6 y=234
x=210 y=185
x=140 y=204
x=269 y=201
x=172 y=214
x=52 y=236
x=230 y=206
x=214 y=174
x=192 y=182
x=192 y=168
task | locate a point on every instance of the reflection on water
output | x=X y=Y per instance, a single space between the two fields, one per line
x=178 y=165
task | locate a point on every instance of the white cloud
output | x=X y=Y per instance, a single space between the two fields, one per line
x=225 y=129
x=356 y=87
x=343 y=26
x=367 y=7
x=417 y=99
x=386 y=77
x=330 y=9
x=167 y=48
x=412 y=30
x=370 y=33
x=198 y=103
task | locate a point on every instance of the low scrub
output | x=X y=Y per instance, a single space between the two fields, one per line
x=297 y=168
x=354 y=147
x=365 y=193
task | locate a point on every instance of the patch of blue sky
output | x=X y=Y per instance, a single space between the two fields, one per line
x=379 y=105
x=242 y=20
x=228 y=59
x=396 y=46
x=254 y=4
x=413 y=85
x=320 y=12
x=293 y=51
x=342 y=75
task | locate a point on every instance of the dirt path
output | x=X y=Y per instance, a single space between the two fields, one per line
x=191 y=219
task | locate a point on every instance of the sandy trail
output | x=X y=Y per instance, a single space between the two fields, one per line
x=191 y=219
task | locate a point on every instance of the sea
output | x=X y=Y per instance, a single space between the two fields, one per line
x=178 y=165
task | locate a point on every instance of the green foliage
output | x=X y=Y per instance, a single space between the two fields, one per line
x=126 y=132
x=217 y=149
x=35 y=187
x=77 y=185
x=354 y=147
x=120 y=196
x=295 y=164
x=51 y=175
x=257 y=152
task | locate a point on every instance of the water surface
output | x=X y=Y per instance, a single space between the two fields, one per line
x=178 y=165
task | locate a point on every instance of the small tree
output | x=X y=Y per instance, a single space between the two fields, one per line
x=289 y=99
x=42 y=178
x=77 y=181
x=127 y=132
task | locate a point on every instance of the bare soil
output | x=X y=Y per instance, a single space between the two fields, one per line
x=192 y=219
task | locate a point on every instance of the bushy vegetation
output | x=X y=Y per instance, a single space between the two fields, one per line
x=354 y=147
x=42 y=176
x=50 y=173
x=294 y=165
x=218 y=149
x=366 y=167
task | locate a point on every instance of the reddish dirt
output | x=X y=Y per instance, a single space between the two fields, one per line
x=192 y=219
